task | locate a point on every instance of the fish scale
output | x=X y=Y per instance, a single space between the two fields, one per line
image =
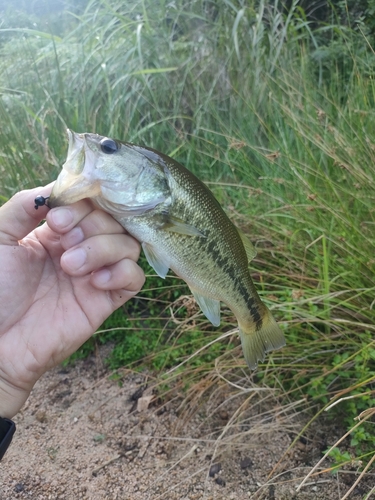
x=180 y=225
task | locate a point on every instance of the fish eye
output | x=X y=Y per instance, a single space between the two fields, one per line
x=108 y=146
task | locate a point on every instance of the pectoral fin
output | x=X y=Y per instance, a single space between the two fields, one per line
x=176 y=225
x=156 y=260
x=210 y=307
x=249 y=247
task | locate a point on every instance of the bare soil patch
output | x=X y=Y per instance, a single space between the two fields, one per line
x=80 y=436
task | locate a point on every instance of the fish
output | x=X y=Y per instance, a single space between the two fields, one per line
x=180 y=225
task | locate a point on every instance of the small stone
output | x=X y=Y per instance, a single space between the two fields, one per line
x=138 y=393
x=41 y=416
x=246 y=463
x=214 y=469
x=19 y=487
x=220 y=481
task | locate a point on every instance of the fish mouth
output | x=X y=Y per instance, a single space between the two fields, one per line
x=74 y=182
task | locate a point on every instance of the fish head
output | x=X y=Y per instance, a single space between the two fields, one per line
x=115 y=175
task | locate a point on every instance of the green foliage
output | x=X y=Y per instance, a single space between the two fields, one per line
x=144 y=331
x=277 y=115
x=339 y=458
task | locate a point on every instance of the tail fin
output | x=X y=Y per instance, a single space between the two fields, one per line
x=256 y=343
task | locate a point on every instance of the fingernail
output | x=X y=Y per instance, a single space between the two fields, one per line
x=74 y=259
x=102 y=277
x=61 y=217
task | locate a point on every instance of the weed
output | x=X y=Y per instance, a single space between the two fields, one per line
x=268 y=112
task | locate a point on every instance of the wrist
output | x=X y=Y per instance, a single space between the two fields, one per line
x=11 y=399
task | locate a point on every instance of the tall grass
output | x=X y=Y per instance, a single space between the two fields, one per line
x=280 y=125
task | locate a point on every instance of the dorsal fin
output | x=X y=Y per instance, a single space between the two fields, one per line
x=249 y=247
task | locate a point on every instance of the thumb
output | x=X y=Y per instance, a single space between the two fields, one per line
x=18 y=216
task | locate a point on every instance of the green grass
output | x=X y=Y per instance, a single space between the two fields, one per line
x=278 y=119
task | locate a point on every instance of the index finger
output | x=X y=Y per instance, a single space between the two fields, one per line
x=18 y=216
x=63 y=219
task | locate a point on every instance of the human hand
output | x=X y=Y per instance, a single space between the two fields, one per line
x=58 y=283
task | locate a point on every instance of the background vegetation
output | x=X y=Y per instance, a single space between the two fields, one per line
x=273 y=106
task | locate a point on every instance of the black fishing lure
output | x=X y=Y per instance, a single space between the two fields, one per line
x=40 y=201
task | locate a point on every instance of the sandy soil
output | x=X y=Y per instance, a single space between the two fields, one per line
x=81 y=436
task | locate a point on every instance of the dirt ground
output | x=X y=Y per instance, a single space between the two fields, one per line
x=82 y=436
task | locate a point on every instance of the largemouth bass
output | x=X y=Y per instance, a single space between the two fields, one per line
x=180 y=225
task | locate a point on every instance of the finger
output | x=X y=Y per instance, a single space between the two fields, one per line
x=63 y=219
x=124 y=275
x=119 y=297
x=95 y=223
x=97 y=252
x=18 y=216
